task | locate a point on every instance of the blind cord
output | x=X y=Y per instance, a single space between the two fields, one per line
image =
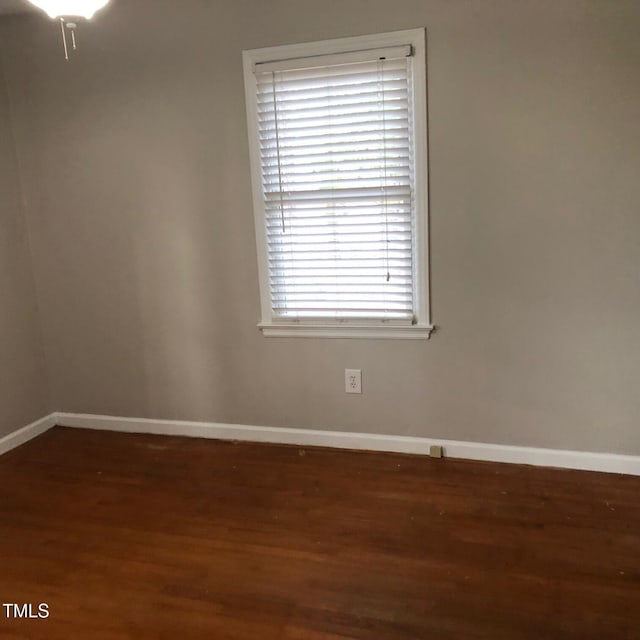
x=275 y=113
x=384 y=164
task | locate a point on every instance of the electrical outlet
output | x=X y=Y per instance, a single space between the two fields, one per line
x=436 y=451
x=353 y=381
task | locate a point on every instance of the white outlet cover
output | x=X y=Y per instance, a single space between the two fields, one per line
x=353 y=380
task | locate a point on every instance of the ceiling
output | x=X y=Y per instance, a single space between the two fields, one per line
x=15 y=6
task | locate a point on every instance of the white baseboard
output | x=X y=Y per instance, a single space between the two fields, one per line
x=589 y=461
x=27 y=433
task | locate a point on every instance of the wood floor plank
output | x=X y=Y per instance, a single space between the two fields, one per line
x=152 y=537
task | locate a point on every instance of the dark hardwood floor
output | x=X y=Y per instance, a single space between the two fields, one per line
x=131 y=536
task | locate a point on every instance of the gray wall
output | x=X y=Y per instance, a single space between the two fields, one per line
x=137 y=169
x=22 y=372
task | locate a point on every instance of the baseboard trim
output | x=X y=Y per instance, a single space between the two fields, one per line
x=588 y=461
x=33 y=430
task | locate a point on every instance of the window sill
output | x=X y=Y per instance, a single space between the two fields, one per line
x=409 y=332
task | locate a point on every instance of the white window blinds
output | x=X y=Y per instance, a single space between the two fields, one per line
x=335 y=135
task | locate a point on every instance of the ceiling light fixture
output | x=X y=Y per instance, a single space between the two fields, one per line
x=63 y=10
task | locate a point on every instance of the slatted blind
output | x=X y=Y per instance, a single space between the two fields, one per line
x=337 y=175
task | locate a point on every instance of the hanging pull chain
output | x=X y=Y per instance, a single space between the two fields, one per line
x=64 y=40
x=72 y=27
x=72 y=30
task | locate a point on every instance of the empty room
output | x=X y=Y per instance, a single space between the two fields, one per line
x=319 y=319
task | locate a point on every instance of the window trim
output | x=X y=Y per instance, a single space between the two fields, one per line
x=277 y=327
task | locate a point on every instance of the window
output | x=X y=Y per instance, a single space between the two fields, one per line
x=338 y=141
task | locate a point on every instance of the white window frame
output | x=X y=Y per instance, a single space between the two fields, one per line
x=277 y=327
